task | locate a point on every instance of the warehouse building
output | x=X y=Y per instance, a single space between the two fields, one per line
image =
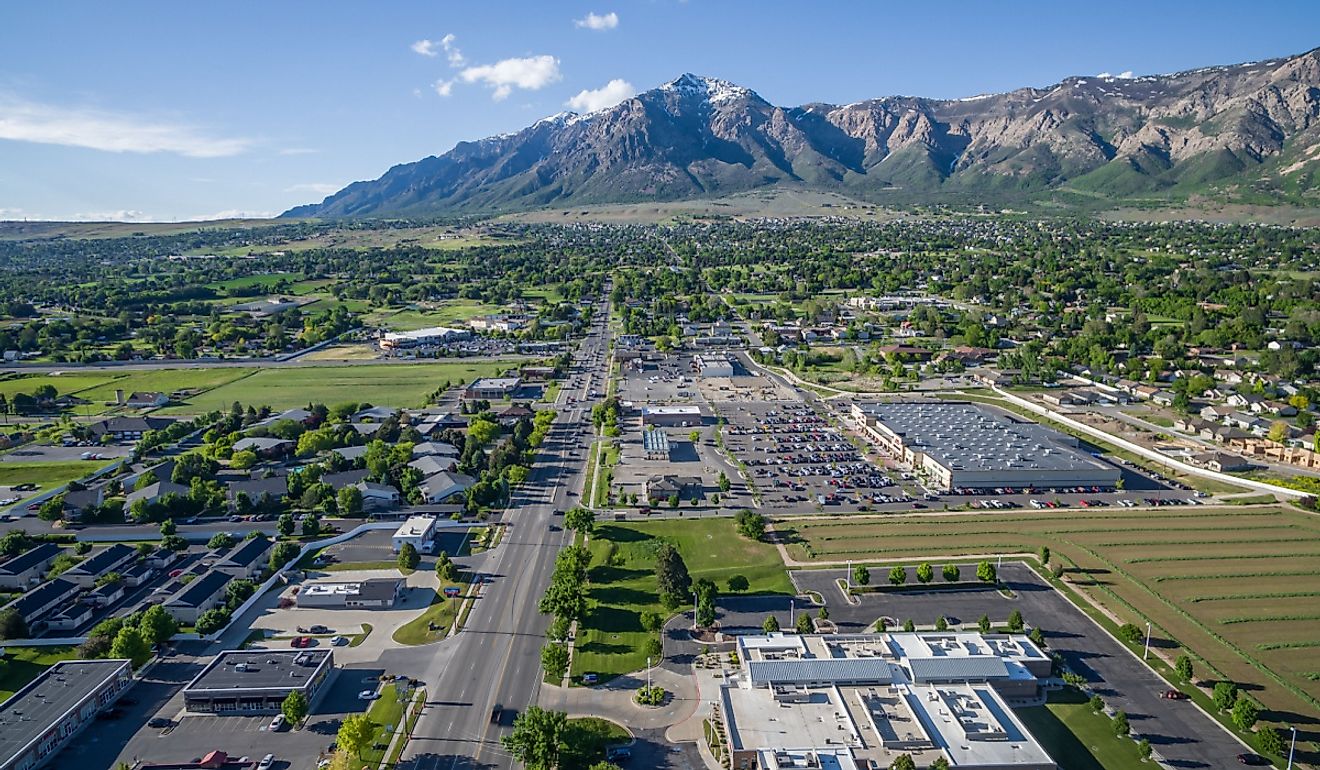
x=676 y=416
x=434 y=335
x=257 y=681
x=863 y=700
x=43 y=717
x=373 y=593
x=965 y=446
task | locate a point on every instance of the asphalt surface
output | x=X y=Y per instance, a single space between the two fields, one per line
x=496 y=659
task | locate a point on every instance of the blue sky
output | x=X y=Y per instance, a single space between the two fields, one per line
x=169 y=110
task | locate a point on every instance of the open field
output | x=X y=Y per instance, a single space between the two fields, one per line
x=441 y=613
x=100 y=387
x=623 y=585
x=451 y=313
x=393 y=384
x=1238 y=587
x=1069 y=730
x=46 y=475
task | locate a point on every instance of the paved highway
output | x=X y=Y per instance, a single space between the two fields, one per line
x=496 y=658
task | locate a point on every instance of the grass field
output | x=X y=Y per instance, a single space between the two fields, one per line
x=23 y=664
x=611 y=640
x=1238 y=587
x=452 y=313
x=100 y=387
x=442 y=613
x=385 y=711
x=400 y=385
x=46 y=474
x=1071 y=732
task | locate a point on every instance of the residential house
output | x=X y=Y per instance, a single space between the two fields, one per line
x=1280 y=408
x=430 y=465
x=71 y=616
x=107 y=593
x=367 y=429
x=21 y=571
x=376 y=496
x=1244 y=399
x=441 y=486
x=1221 y=462
x=245 y=559
x=113 y=558
x=127 y=428
x=43 y=600
x=293 y=415
x=338 y=481
x=513 y=414
x=1163 y=397
x=1216 y=413
x=138 y=573
x=80 y=502
x=146 y=399
x=205 y=592
x=266 y=447
x=350 y=453
x=1192 y=425
x=258 y=490
x=434 y=449
x=374 y=414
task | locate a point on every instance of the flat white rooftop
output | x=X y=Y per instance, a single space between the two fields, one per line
x=415 y=526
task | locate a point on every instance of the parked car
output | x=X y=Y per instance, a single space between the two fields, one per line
x=1174 y=695
x=267 y=762
x=278 y=723
x=368 y=695
x=318 y=629
x=1252 y=759
x=339 y=641
x=159 y=723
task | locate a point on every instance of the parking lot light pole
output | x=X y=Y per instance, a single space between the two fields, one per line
x=648 y=675
x=1145 y=655
x=1292 y=747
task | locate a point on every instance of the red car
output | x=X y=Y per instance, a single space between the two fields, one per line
x=1174 y=695
x=301 y=641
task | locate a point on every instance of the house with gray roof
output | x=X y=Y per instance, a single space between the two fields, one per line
x=110 y=559
x=205 y=592
x=26 y=568
x=246 y=559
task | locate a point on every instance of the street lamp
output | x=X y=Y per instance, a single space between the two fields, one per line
x=648 y=676
x=1292 y=747
x=1145 y=655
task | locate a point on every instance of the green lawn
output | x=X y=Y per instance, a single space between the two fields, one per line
x=402 y=385
x=63 y=383
x=46 y=474
x=385 y=711
x=165 y=381
x=611 y=640
x=23 y=664
x=1078 y=737
x=450 y=313
x=442 y=613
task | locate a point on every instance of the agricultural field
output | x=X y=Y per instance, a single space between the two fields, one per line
x=403 y=385
x=99 y=387
x=1238 y=587
x=611 y=640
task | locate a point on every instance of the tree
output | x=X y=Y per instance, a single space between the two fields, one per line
x=985 y=572
x=770 y=625
x=1037 y=636
x=284 y=525
x=157 y=625
x=311 y=525
x=984 y=624
x=804 y=624
x=554 y=659
x=1269 y=742
x=1120 y=724
x=356 y=732
x=1015 y=622
x=580 y=519
x=750 y=524
x=538 y=737
x=705 y=611
x=408 y=558
x=903 y=762
x=12 y=625
x=220 y=541
x=349 y=501
x=1044 y=554
x=1097 y=704
x=1130 y=632
x=1144 y=749
x=168 y=527
x=130 y=644
x=295 y=707
x=739 y=583
x=1279 y=431
x=925 y=572
x=672 y=574
x=861 y=575
x=281 y=555
x=1245 y=713
x=211 y=621
x=1183 y=667
x=909 y=626
x=940 y=763
x=1225 y=695
x=897 y=575
x=941 y=623
x=243 y=459
x=951 y=573
x=445 y=568
x=52 y=509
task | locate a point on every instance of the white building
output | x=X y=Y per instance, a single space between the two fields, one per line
x=434 y=335
x=419 y=531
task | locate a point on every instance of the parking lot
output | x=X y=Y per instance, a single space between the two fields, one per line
x=799 y=462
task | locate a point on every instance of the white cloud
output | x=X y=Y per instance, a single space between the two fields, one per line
x=299 y=151
x=121 y=215
x=320 y=188
x=426 y=48
x=432 y=49
x=598 y=21
x=608 y=95
x=24 y=121
x=443 y=87
x=1125 y=75
x=530 y=73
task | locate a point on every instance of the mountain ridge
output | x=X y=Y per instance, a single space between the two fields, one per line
x=1249 y=130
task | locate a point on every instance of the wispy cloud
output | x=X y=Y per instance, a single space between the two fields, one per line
x=443 y=87
x=529 y=73
x=1125 y=75
x=433 y=48
x=320 y=188
x=599 y=22
x=120 y=215
x=299 y=151
x=608 y=95
x=25 y=121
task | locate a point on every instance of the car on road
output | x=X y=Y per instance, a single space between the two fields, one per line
x=267 y=762
x=496 y=714
x=278 y=723
x=368 y=695
x=1173 y=695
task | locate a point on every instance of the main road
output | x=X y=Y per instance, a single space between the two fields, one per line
x=495 y=660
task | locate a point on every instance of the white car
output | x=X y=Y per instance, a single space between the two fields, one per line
x=267 y=762
x=277 y=723
x=368 y=695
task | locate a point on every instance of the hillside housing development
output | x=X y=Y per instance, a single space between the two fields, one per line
x=964 y=446
x=862 y=700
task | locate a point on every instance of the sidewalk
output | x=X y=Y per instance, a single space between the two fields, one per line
x=614 y=700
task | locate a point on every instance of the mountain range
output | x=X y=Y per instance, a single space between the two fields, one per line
x=1246 y=131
